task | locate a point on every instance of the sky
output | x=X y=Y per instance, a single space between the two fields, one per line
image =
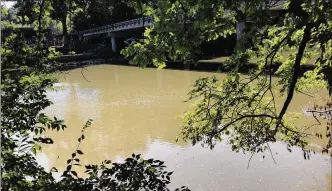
x=8 y=4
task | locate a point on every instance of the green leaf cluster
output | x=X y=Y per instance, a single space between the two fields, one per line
x=291 y=41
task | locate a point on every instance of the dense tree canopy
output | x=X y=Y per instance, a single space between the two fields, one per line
x=75 y=15
x=102 y=12
x=294 y=43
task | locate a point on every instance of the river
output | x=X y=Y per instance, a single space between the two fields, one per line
x=134 y=111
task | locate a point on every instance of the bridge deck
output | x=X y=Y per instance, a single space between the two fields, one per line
x=140 y=23
x=126 y=25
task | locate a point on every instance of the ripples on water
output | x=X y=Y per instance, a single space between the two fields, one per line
x=134 y=110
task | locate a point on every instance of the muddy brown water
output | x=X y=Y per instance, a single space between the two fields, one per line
x=134 y=111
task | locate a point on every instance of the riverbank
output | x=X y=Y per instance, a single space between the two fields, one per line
x=206 y=65
x=203 y=66
x=200 y=66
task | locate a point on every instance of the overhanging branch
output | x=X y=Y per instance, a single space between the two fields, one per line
x=295 y=76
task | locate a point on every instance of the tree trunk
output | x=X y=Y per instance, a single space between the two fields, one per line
x=65 y=33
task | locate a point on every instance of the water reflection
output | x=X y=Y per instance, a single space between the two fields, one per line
x=134 y=111
x=222 y=169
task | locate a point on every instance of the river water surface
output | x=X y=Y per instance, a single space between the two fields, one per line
x=134 y=111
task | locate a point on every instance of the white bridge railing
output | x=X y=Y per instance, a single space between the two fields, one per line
x=126 y=25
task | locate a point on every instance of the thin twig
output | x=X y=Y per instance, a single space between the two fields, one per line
x=54 y=163
x=322 y=111
x=243 y=117
x=314 y=116
x=83 y=74
x=250 y=159
x=309 y=126
x=293 y=131
x=271 y=153
x=305 y=93
x=273 y=99
x=65 y=73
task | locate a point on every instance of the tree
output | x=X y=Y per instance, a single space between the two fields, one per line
x=62 y=11
x=102 y=12
x=59 y=10
x=27 y=71
x=293 y=43
x=25 y=11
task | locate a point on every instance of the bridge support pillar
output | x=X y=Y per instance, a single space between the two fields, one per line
x=113 y=41
x=239 y=28
x=113 y=44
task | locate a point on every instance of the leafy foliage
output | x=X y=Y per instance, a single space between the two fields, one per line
x=97 y=13
x=29 y=68
x=180 y=28
x=325 y=112
x=291 y=39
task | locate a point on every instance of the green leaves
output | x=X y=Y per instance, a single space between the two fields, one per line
x=180 y=28
x=212 y=117
x=295 y=46
x=36 y=148
x=53 y=169
x=87 y=124
x=27 y=72
x=74 y=173
x=311 y=79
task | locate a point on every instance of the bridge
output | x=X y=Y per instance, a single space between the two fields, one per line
x=121 y=26
x=148 y=21
x=116 y=28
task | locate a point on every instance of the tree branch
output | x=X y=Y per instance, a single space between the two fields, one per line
x=240 y=118
x=83 y=74
x=271 y=153
x=320 y=112
x=250 y=159
x=41 y=8
x=296 y=73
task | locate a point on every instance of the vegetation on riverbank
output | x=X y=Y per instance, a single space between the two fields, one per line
x=243 y=110
x=27 y=71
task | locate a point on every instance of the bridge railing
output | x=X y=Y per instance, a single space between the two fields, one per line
x=125 y=25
